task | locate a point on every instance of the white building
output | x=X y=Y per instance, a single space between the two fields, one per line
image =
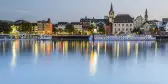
x=123 y=23
x=77 y=26
x=138 y=21
x=146 y=27
x=62 y=25
x=166 y=27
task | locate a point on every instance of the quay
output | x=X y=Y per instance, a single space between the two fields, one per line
x=67 y=37
x=164 y=37
x=71 y=37
x=55 y=37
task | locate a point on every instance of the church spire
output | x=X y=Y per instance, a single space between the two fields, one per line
x=111 y=8
x=146 y=15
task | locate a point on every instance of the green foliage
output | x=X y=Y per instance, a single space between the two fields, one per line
x=137 y=31
x=101 y=29
x=5 y=27
x=69 y=28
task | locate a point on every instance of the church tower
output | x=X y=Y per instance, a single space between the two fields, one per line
x=146 y=15
x=111 y=21
x=111 y=14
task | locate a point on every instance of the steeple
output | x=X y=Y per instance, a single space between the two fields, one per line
x=111 y=8
x=146 y=15
x=111 y=14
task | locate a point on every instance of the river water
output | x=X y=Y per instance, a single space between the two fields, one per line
x=82 y=62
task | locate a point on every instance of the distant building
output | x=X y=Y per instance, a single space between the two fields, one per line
x=41 y=27
x=77 y=26
x=106 y=17
x=146 y=26
x=45 y=27
x=123 y=23
x=34 y=28
x=62 y=25
x=85 y=22
x=48 y=27
x=166 y=27
x=138 y=21
x=165 y=20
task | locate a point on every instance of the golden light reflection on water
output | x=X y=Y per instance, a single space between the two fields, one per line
x=136 y=48
x=46 y=48
x=156 y=48
x=105 y=44
x=98 y=48
x=93 y=63
x=118 y=49
x=128 y=48
x=36 y=52
x=65 y=49
x=15 y=50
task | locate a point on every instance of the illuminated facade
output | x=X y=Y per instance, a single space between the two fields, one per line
x=77 y=26
x=62 y=25
x=48 y=27
x=45 y=27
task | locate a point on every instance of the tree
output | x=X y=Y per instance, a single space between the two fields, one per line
x=5 y=27
x=69 y=28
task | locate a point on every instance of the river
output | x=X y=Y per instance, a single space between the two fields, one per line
x=83 y=62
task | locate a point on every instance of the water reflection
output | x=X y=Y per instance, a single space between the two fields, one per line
x=119 y=50
x=15 y=52
x=93 y=62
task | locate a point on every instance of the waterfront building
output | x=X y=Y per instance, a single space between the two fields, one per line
x=96 y=23
x=123 y=23
x=77 y=26
x=148 y=25
x=85 y=23
x=165 y=20
x=45 y=27
x=41 y=27
x=62 y=25
x=48 y=27
x=138 y=21
x=34 y=28
x=166 y=28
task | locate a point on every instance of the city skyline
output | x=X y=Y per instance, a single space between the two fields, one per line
x=63 y=10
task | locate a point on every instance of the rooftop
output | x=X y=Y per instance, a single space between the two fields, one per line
x=123 y=18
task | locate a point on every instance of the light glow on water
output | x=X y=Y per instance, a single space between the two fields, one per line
x=93 y=62
x=44 y=62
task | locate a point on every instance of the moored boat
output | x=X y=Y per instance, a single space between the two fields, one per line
x=122 y=38
x=45 y=37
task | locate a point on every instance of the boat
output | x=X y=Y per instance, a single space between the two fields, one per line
x=123 y=38
x=45 y=37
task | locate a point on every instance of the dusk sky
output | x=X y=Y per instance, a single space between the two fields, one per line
x=73 y=10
